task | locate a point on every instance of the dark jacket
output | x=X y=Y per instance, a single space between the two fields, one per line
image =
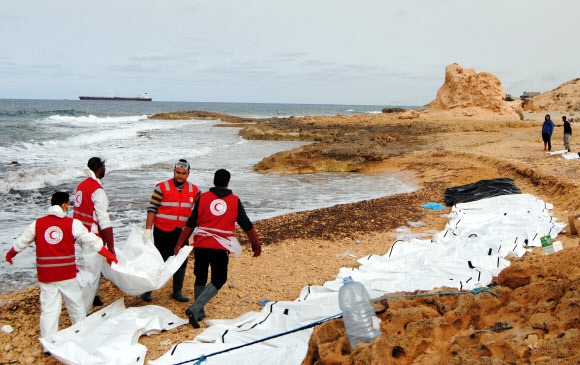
x=567 y=128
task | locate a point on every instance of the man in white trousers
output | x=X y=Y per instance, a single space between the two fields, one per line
x=55 y=235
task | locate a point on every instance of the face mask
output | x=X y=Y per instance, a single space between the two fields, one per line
x=70 y=210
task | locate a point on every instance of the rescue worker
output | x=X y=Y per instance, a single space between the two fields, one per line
x=91 y=205
x=170 y=206
x=55 y=235
x=214 y=219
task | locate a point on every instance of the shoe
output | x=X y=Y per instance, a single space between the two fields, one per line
x=147 y=297
x=179 y=297
x=97 y=301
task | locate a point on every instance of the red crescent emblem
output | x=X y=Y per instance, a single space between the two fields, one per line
x=218 y=207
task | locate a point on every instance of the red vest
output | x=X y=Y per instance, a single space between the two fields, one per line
x=175 y=207
x=218 y=216
x=84 y=206
x=55 y=249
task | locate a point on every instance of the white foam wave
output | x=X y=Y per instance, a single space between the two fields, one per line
x=91 y=119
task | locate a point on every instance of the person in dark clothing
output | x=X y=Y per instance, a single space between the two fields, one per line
x=547 y=130
x=567 y=133
x=214 y=217
x=170 y=206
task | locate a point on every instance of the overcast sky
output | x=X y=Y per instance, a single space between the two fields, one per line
x=269 y=51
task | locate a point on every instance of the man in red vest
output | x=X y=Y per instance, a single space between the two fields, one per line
x=55 y=235
x=214 y=218
x=169 y=208
x=91 y=208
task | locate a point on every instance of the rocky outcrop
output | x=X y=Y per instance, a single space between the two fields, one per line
x=393 y=110
x=466 y=93
x=202 y=115
x=565 y=98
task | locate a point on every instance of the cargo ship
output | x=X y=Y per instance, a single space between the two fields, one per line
x=140 y=97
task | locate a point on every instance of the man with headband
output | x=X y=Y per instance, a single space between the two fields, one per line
x=169 y=208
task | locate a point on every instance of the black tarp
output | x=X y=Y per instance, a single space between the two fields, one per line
x=480 y=190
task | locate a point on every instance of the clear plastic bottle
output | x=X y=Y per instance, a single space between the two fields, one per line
x=358 y=313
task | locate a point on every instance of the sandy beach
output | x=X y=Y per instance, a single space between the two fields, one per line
x=538 y=295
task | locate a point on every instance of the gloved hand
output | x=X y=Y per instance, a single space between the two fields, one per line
x=109 y=239
x=10 y=255
x=110 y=257
x=147 y=235
x=182 y=240
x=256 y=245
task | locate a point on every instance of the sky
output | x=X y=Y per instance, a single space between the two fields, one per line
x=368 y=52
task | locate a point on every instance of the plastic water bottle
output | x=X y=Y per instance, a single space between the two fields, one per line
x=358 y=314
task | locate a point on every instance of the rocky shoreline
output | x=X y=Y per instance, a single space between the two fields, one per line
x=535 y=295
x=458 y=140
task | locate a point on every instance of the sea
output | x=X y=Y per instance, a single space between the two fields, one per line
x=45 y=144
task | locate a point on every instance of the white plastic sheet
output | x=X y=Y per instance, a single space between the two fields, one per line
x=141 y=268
x=467 y=254
x=109 y=336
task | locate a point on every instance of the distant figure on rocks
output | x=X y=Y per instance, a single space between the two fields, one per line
x=169 y=208
x=214 y=219
x=547 y=130
x=55 y=235
x=567 y=133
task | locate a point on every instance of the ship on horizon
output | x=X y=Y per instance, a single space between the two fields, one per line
x=140 y=97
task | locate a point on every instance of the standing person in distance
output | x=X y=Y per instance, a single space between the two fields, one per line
x=214 y=215
x=91 y=208
x=55 y=235
x=170 y=206
x=567 y=133
x=547 y=130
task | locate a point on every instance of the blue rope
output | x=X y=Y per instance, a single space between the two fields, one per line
x=313 y=324
x=487 y=289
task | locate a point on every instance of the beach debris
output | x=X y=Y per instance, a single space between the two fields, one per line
x=345 y=254
x=263 y=302
x=357 y=242
x=7 y=328
x=433 y=206
x=415 y=224
x=165 y=343
x=500 y=329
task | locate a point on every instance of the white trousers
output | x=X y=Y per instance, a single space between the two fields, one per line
x=51 y=295
x=93 y=264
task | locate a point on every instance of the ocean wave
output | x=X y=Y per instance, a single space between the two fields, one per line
x=91 y=119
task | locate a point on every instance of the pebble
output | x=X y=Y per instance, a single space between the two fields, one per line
x=7 y=347
x=30 y=360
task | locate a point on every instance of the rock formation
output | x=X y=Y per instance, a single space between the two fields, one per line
x=565 y=98
x=469 y=94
